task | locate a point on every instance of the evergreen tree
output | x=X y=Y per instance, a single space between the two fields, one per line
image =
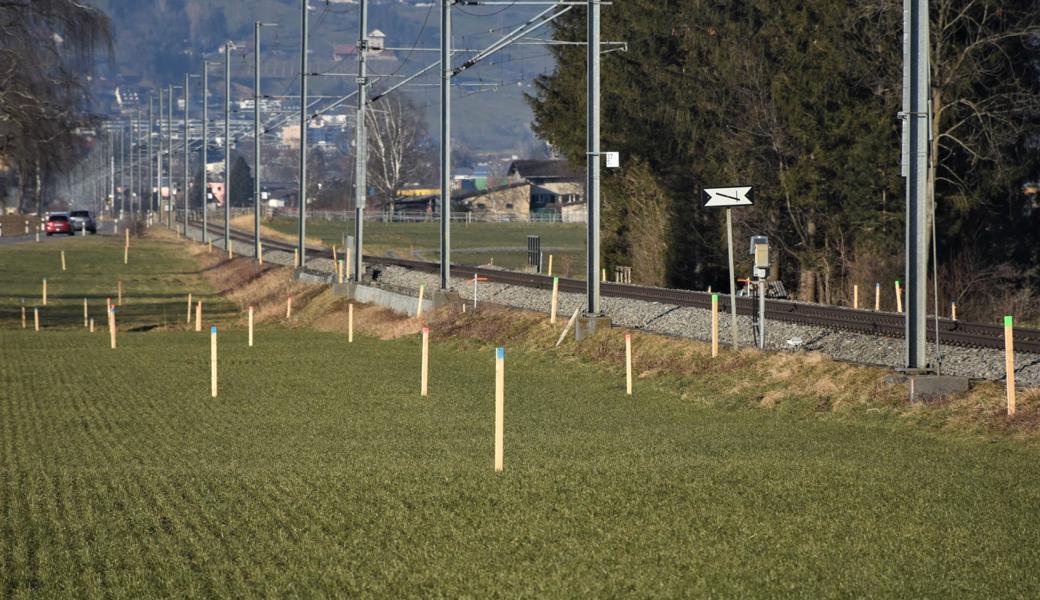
x=241 y=182
x=799 y=99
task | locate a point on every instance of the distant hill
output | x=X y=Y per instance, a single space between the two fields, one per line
x=157 y=41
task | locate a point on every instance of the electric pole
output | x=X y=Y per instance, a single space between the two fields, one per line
x=122 y=169
x=916 y=113
x=150 y=150
x=130 y=153
x=361 y=143
x=446 y=144
x=592 y=159
x=169 y=150
x=187 y=143
x=256 y=141
x=111 y=170
x=227 y=145
x=303 y=136
x=205 y=142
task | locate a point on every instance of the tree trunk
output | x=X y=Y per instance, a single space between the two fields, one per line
x=38 y=191
x=807 y=285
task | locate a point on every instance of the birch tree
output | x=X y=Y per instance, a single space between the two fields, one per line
x=397 y=150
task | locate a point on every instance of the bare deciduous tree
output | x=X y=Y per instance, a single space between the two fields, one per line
x=397 y=149
x=47 y=52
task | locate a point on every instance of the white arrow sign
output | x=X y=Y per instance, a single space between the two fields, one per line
x=731 y=196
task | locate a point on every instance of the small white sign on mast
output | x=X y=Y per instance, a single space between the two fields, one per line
x=727 y=197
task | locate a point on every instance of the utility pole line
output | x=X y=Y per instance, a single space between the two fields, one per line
x=187 y=97
x=227 y=145
x=303 y=136
x=446 y=144
x=592 y=159
x=916 y=113
x=159 y=156
x=361 y=144
x=205 y=143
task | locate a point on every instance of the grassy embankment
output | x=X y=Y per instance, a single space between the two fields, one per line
x=319 y=470
x=472 y=244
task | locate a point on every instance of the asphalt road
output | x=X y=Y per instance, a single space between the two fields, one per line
x=104 y=228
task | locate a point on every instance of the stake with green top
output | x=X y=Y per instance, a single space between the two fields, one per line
x=1009 y=363
x=714 y=325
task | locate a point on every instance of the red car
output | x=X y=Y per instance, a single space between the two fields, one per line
x=59 y=223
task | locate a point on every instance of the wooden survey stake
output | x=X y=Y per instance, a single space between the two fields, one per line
x=550 y=266
x=425 y=374
x=714 y=325
x=44 y=293
x=554 y=304
x=112 y=327
x=628 y=363
x=1009 y=363
x=198 y=316
x=418 y=307
x=36 y=318
x=288 y=308
x=187 y=319
x=877 y=297
x=86 y=317
x=500 y=407
x=350 y=323
x=62 y=260
x=855 y=297
x=213 y=361
x=899 y=298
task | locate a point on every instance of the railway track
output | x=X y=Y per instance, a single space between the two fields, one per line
x=957 y=333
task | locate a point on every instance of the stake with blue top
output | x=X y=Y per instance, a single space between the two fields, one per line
x=500 y=406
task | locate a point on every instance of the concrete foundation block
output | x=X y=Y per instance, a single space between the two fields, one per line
x=931 y=388
x=445 y=298
x=588 y=325
x=307 y=276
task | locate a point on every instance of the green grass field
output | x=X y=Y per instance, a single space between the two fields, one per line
x=320 y=471
x=156 y=282
x=472 y=244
